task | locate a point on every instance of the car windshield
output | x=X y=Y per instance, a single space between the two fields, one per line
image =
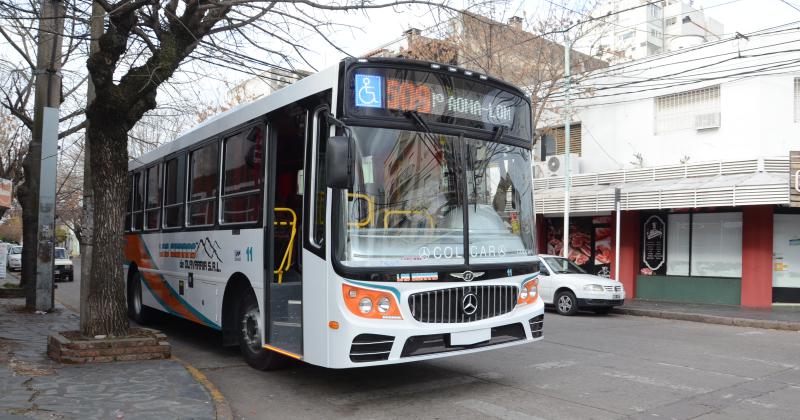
x=60 y=253
x=411 y=192
x=563 y=266
x=16 y=250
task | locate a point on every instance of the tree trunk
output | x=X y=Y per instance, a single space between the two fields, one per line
x=106 y=305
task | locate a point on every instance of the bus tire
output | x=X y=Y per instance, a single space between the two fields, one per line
x=137 y=311
x=566 y=304
x=249 y=335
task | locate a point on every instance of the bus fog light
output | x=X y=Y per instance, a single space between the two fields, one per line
x=523 y=293
x=365 y=305
x=384 y=304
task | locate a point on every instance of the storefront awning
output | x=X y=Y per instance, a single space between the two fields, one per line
x=743 y=185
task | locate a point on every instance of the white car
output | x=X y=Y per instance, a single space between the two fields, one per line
x=62 y=265
x=569 y=288
x=14 y=258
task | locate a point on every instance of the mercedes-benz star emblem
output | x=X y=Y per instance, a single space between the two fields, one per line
x=467 y=275
x=469 y=304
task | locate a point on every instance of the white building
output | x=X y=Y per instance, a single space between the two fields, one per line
x=693 y=147
x=651 y=29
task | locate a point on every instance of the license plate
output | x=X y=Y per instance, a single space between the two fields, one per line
x=466 y=338
x=616 y=296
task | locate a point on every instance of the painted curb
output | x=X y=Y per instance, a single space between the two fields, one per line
x=221 y=406
x=712 y=319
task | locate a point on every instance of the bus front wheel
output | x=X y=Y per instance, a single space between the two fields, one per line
x=249 y=332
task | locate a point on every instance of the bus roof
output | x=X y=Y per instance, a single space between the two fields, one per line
x=240 y=114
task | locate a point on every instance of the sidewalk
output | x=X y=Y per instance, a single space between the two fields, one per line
x=778 y=318
x=33 y=386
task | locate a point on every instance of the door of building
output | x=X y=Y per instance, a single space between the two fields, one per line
x=786 y=259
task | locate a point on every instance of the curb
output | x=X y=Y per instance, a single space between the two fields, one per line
x=221 y=406
x=712 y=319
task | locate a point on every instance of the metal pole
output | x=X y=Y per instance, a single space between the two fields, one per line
x=618 y=228
x=87 y=222
x=567 y=123
x=45 y=131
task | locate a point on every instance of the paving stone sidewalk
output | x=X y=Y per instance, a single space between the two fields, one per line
x=33 y=386
x=778 y=318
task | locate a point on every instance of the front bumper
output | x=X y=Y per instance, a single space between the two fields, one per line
x=60 y=274
x=599 y=303
x=15 y=264
x=363 y=342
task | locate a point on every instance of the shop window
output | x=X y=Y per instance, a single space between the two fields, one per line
x=152 y=214
x=678 y=227
x=243 y=176
x=716 y=245
x=174 y=187
x=203 y=184
x=704 y=245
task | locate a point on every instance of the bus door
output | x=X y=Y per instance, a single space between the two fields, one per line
x=283 y=291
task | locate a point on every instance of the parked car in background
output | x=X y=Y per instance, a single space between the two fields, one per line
x=568 y=288
x=14 y=258
x=62 y=266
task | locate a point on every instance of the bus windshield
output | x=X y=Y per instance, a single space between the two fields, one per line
x=412 y=190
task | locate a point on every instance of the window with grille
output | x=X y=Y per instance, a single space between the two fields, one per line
x=697 y=109
x=797 y=99
x=574 y=139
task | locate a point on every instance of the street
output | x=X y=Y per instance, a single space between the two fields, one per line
x=587 y=366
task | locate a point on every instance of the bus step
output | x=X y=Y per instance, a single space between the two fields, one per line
x=287 y=324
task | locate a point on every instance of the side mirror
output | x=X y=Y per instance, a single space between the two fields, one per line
x=337 y=163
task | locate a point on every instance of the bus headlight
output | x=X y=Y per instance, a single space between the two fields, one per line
x=365 y=305
x=528 y=292
x=384 y=305
x=370 y=303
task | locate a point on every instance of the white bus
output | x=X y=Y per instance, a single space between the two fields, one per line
x=376 y=212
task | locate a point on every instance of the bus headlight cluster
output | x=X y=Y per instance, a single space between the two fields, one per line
x=370 y=303
x=529 y=291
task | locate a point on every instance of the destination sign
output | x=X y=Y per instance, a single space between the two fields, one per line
x=438 y=97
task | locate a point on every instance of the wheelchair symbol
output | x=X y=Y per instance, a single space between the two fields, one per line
x=369 y=91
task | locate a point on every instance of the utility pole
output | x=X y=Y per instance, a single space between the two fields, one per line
x=567 y=123
x=87 y=222
x=45 y=140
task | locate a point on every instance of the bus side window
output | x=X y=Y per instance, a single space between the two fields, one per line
x=320 y=184
x=242 y=176
x=128 y=207
x=174 y=186
x=138 y=201
x=203 y=185
x=152 y=214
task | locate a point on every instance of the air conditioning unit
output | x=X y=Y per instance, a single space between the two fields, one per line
x=706 y=121
x=554 y=166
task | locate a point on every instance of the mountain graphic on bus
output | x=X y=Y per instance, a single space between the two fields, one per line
x=210 y=248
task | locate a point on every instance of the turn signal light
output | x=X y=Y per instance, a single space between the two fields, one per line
x=529 y=292
x=368 y=303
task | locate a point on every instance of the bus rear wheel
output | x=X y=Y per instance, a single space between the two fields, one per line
x=139 y=313
x=249 y=332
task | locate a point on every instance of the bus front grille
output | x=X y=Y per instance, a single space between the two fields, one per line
x=371 y=347
x=463 y=304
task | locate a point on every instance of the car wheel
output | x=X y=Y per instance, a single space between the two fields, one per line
x=602 y=311
x=249 y=334
x=566 y=304
x=137 y=311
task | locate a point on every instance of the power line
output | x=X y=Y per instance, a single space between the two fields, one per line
x=790 y=5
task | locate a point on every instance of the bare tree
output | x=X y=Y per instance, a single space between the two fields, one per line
x=143 y=46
